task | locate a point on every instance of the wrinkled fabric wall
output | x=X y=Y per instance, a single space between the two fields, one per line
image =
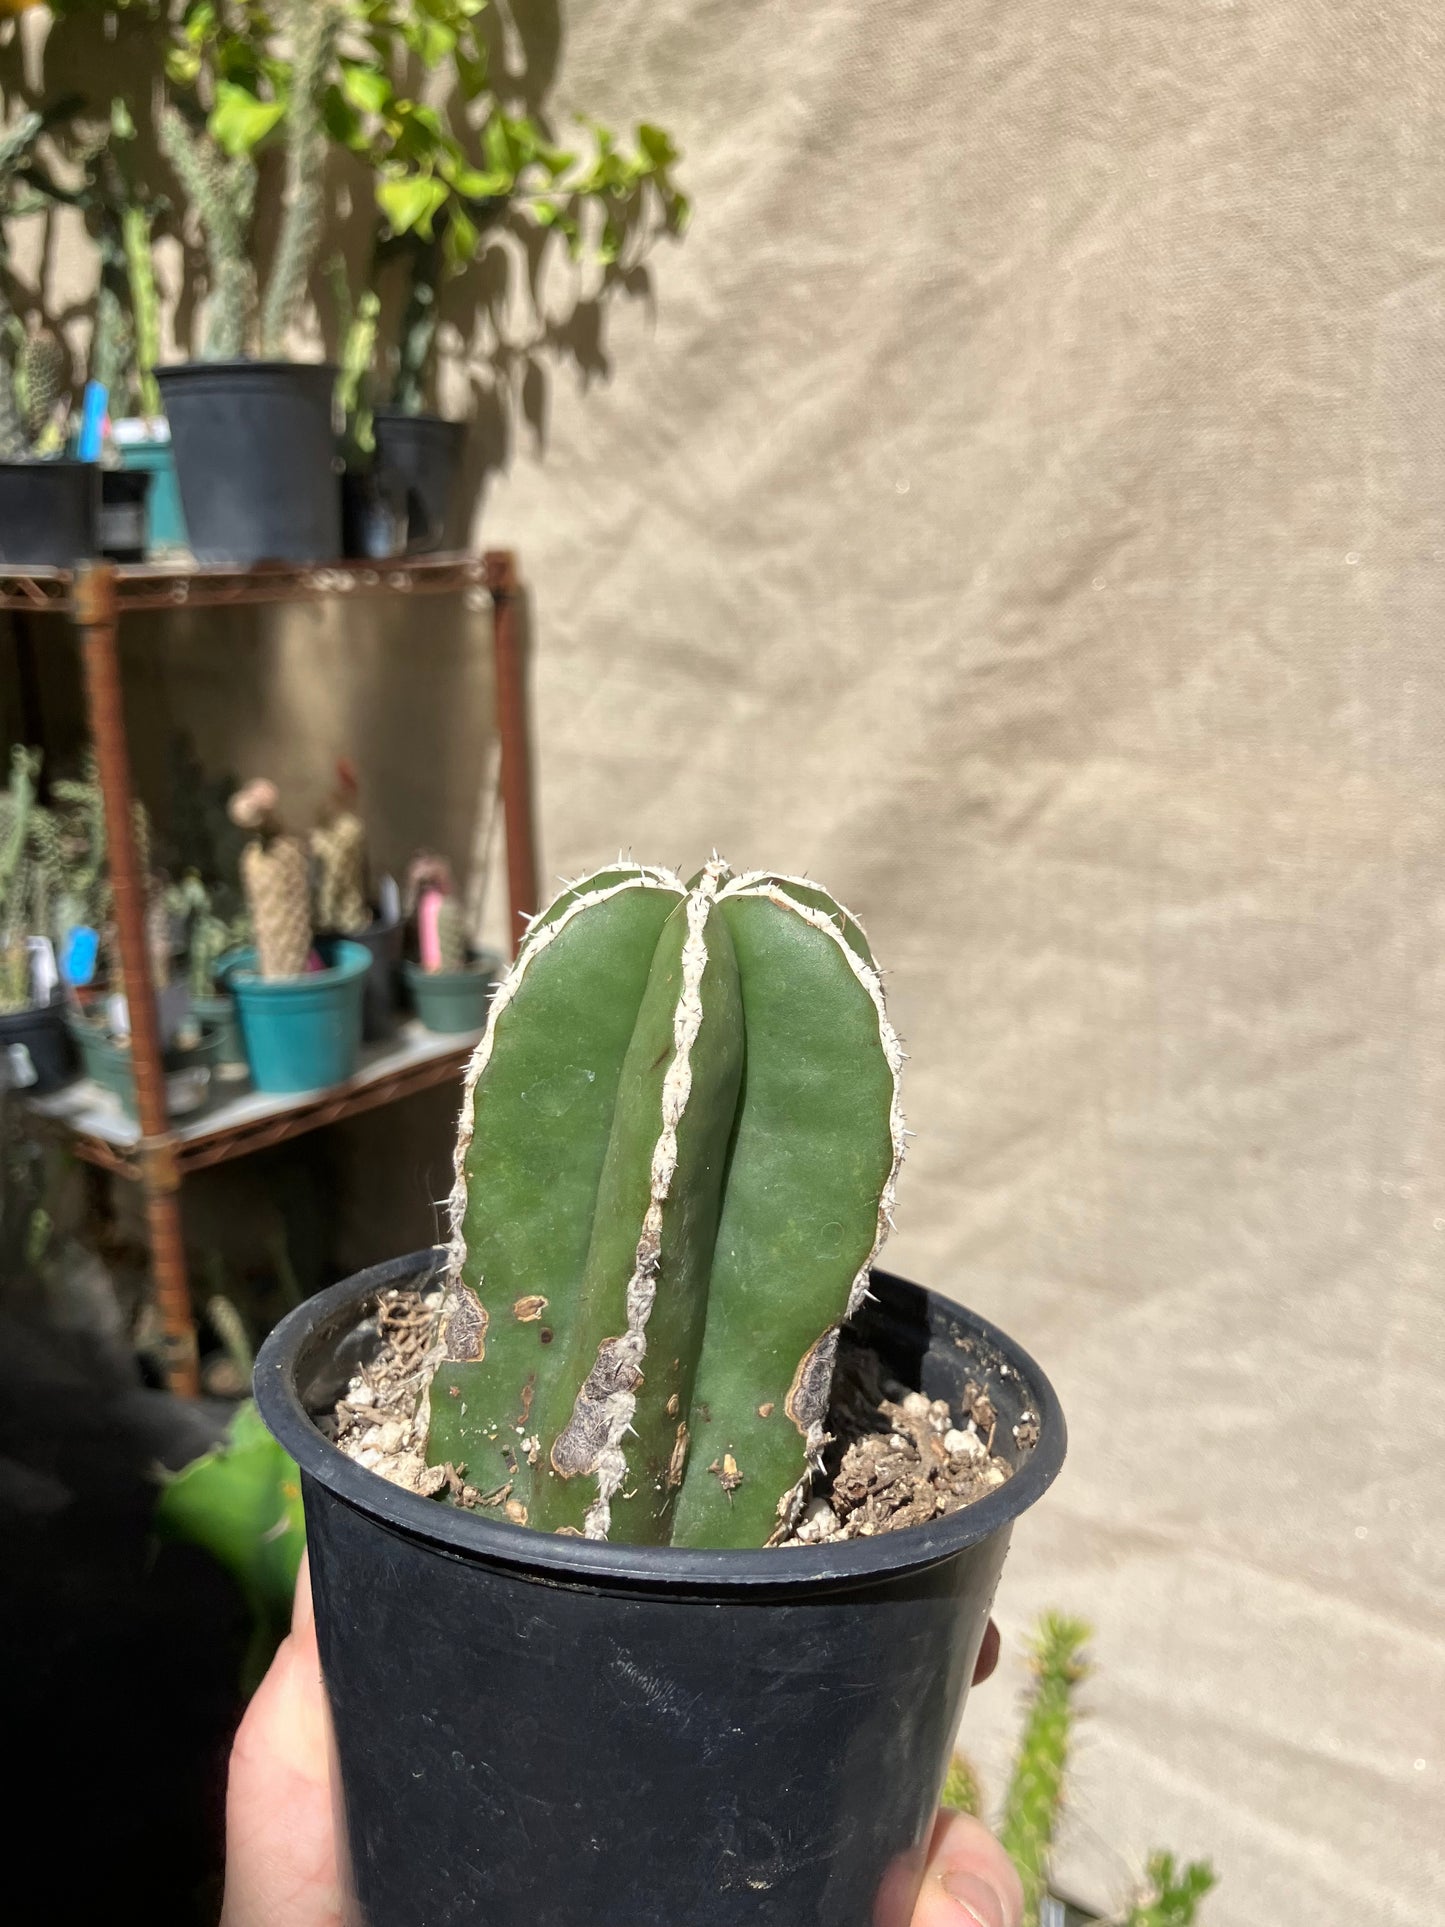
x=1024 y=509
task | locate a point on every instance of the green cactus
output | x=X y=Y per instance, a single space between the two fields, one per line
x=42 y=379
x=1036 y=1787
x=452 y=946
x=223 y=192
x=17 y=148
x=145 y=306
x=675 y=1167
x=314 y=26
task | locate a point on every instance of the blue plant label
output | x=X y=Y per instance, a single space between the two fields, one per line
x=81 y=954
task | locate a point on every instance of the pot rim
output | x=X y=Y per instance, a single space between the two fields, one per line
x=333 y=1312
x=352 y=960
x=234 y=364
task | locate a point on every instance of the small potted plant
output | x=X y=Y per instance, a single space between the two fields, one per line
x=211 y=940
x=49 y=505
x=448 y=983
x=253 y=437
x=434 y=207
x=31 y=1021
x=298 y=999
x=343 y=905
x=652 y=1530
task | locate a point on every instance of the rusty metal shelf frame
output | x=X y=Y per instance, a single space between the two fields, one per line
x=95 y=598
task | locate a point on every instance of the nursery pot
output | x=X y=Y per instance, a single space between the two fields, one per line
x=302 y=1033
x=146 y=447
x=218 y=1015
x=382 y=989
x=540 y=1731
x=41 y=1033
x=256 y=459
x=423 y=454
x=49 y=513
x=452 y=1001
x=124 y=514
x=373 y=514
x=111 y=1066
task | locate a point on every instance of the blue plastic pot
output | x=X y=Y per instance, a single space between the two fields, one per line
x=302 y=1033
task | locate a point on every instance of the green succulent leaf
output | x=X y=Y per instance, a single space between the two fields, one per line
x=238 y=122
x=411 y=202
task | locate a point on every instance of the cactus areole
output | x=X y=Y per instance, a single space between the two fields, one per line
x=674 y=1171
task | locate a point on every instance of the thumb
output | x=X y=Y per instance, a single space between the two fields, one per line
x=969 y=1881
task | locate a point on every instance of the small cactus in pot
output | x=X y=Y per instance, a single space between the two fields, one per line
x=276 y=877
x=674 y=1170
x=449 y=985
x=301 y=1022
x=338 y=847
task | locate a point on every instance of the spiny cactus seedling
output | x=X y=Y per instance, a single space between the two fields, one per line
x=675 y=1167
x=338 y=846
x=314 y=25
x=441 y=919
x=222 y=189
x=1034 y=1803
x=275 y=875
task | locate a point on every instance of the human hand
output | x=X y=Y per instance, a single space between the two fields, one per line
x=281 y=1868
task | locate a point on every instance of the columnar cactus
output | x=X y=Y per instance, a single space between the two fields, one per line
x=223 y=192
x=314 y=25
x=339 y=847
x=675 y=1167
x=275 y=875
x=42 y=380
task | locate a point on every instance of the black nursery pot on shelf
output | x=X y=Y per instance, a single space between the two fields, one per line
x=49 y=513
x=124 y=513
x=41 y=1033
x=423 y=455
x=532 y=1728
x=381 y=993
x=256 y=460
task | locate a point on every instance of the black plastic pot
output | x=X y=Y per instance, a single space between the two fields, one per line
x=382 y=992
x=373 y=514
x=423 y=454
x=256 y=459
x=41 y=1032
x=124 y=513
x=49 y=513
x=537 y=1731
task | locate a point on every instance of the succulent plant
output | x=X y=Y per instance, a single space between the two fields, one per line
x=441 y=919
x=675 y=1167
x=314 y=25
x=38 y=376
x=338 y=846
x=208 y=934
x=275 y=874
x=222 y=189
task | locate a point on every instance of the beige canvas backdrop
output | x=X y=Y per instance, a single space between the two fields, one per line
x=1023 y=507
x=1025 y=510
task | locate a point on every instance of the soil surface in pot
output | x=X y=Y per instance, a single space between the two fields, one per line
x=896 y=1458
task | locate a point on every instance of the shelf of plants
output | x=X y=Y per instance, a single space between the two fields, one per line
x=102 y=1133
x=155 y=1150
x=182 y=585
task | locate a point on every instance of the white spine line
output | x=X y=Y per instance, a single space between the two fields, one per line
x=642 y=1286
x=645 y=879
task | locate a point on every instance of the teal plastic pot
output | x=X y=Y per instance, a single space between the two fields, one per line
x=108 y=1063
x=302 y=1033
x=218 y=1013
x=452 y=1000
x=167 y=523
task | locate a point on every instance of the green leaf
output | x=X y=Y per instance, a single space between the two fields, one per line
x=410 y=202
x=242 y=1504
x=656 y=144
x=369 y=90
x=239 y=122
x=461 y=241
x=183 y=66
x=473 y=185
x=342 y=122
